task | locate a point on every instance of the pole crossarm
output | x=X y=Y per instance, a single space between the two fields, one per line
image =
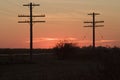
x=88 y=22
x=32 y=21
x=95 y=26
x=32 y=16
x=99 y=25
x=31 y=5
x=88 y=26
x=95 y=22
x=99 y=21
x=94 y=13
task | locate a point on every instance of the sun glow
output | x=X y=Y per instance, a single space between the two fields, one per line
x=49 y=42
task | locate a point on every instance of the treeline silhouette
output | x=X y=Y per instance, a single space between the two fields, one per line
x=23 y=51
x=17 y=56
x=71 y=51
x=106 y=59
x=66 y=50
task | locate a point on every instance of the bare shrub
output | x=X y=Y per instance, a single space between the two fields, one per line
x=65 y=49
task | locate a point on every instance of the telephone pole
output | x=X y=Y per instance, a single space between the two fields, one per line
x=93 y=22
x=31 y=5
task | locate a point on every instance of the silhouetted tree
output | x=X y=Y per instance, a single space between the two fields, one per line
x=65 y=49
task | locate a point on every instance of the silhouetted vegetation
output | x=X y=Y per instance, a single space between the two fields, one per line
x=24 y=51
x=64 y=49
x=107 y=58
x=65 y=62
x=11 y=56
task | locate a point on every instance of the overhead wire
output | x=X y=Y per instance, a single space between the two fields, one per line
x=100 y=34
x=5 y=11
x=16 y=6
x=7 y=15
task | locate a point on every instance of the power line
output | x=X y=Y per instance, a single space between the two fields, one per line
x=4 y=14
x=13 y=2
x=31 y=23
x=100 y=34
x=94 y=25
x=7 y=10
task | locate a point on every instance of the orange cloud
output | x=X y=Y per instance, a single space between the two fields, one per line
x=36 y=40
x=107 y=41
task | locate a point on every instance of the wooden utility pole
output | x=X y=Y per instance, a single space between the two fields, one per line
x=31 y=24
x=94 y=25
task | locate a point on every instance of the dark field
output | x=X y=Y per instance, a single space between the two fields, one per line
x=84 y=65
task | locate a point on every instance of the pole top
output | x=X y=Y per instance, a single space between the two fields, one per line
x=31 y=4
x=94 y=13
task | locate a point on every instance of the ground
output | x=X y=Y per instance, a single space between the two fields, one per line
x=46 y=67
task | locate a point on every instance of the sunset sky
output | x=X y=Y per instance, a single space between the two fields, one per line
x=64 y=21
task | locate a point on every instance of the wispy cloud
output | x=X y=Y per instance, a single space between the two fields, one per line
x=50 y=39
x=107 y=41
x=37 y=40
